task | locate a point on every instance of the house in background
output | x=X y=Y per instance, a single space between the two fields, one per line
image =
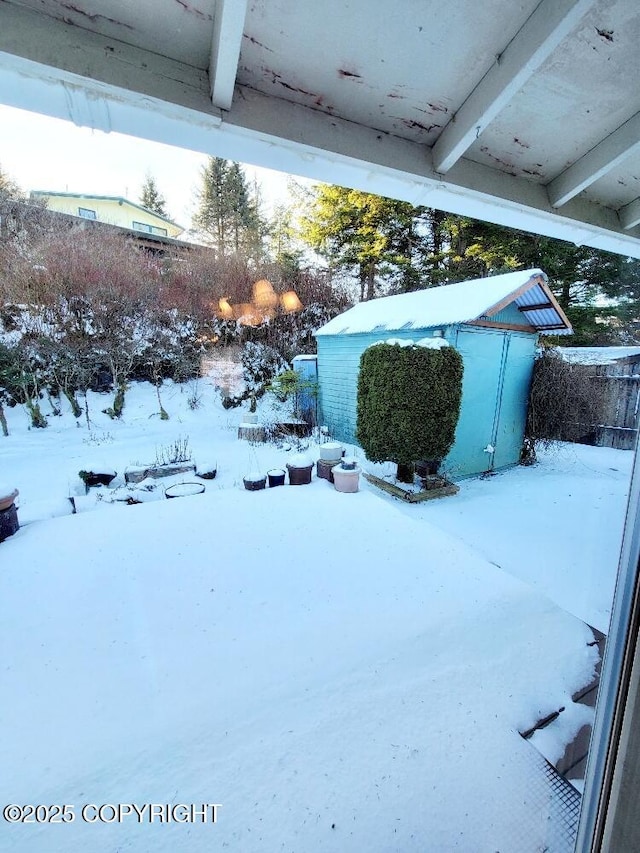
x=493 y=322
x=111 y=210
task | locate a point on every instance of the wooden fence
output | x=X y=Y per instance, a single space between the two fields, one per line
x=620 y=383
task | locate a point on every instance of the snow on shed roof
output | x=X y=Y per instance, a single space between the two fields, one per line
x=596 y=355
x=463 y=302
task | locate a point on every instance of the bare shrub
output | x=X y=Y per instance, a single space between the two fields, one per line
x=565 y=403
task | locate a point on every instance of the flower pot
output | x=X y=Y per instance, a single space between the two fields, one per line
x=254 y=482
x=324 y=468
x=181 y=490
x=276 y=477
x=346 y=479
x=331 y=451
x=8 y=514
x=299 y=475
x=207 y=472
x=427 y=467
x=7 y=499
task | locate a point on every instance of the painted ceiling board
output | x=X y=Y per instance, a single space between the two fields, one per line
x=357 y=93
x=178 y=29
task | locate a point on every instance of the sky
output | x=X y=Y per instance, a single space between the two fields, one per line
x=42 y=153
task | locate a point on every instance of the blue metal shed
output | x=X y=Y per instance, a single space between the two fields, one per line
x=494 y=323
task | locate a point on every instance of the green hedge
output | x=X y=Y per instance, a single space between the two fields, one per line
x=408 y=402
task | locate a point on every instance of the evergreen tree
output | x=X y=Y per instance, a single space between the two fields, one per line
x=599 y=291
x=408 y=404
x=227 y=214
x=369 y=234
x=413 y=247
x=284 y=249
x=150 y=197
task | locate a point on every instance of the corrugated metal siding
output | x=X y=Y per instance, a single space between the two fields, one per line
x=534 y=296
x=545 y=318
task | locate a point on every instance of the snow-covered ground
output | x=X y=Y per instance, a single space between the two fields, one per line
x=341 y=672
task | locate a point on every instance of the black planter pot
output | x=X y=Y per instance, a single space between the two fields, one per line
x=8 y=515
x=427 y=467
x=276 y=477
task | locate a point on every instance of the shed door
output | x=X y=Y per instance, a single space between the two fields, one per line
x=482 y=354
x=512 y=411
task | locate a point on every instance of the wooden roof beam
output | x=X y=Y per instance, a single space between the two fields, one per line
x=550 y=23
x=629 y=215
x=604 y=157
x=511 y=297
x=540 y=306
x=228 y=26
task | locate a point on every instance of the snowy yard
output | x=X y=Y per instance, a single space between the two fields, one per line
x=340 y=672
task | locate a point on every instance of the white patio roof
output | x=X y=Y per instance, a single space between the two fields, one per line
x=526 y=114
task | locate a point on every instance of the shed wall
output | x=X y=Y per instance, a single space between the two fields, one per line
x=497 y=376
x=511 y=314
x=338 y=367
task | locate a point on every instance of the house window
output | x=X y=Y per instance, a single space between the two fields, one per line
x=86 y=213
x=150 y=229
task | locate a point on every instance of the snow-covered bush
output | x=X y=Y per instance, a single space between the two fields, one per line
x=261 y=363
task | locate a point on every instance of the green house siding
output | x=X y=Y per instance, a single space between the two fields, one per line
x=497 y=374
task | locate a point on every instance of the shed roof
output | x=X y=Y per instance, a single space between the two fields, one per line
x=598 y=355
x=477 y=300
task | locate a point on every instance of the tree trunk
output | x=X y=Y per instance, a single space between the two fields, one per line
x=163 y=414
x=371 y=273
x=38 y=420
x=405 y=472
x=3 y=422
x=71 y=397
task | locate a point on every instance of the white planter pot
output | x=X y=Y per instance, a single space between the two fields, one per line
x=331 y=451
x=345 y=481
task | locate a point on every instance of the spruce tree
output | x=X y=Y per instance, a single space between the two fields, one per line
x=227 y=214
x=150 y=197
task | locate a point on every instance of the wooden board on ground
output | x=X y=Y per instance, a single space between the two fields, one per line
x=252 y=432
x=413 y=497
